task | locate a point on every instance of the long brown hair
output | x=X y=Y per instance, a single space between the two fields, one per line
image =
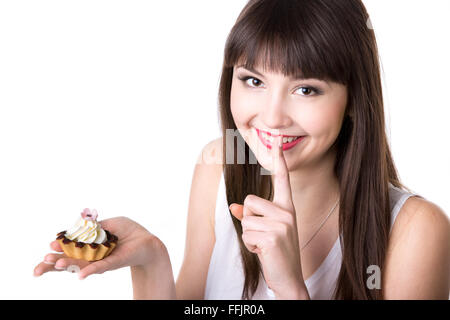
x=332 y=40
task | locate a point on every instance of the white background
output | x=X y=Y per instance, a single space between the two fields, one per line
x=107 y=104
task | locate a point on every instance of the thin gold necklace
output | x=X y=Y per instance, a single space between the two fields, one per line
x=318 y=229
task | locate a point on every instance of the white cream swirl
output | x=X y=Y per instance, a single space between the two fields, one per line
x=86 y=231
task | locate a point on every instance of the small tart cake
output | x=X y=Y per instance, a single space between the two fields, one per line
x=86 y=239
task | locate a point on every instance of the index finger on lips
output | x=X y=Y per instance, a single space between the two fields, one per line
x=282 y=188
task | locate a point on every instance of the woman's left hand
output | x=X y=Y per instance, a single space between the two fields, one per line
x=269 y=229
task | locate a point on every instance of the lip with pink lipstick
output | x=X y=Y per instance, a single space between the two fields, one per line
x=288 y=141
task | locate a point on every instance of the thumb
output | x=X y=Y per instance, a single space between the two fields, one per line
x=237 y=210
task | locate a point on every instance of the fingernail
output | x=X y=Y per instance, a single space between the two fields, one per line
x=60 y=268
x=48 y=262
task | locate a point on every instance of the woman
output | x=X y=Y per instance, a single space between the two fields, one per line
x=301 y=92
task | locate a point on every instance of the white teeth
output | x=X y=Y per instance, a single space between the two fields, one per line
x=271 y=138
x=267 y=137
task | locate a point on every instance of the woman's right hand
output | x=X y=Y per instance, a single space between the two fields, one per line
x=136 y=247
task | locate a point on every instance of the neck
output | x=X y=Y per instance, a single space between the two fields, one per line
x=315 y=190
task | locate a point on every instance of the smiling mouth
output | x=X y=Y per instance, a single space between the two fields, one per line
x=288 y=141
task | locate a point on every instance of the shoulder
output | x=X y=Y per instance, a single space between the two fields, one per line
x=418 y=256
x=421 y=216
x=211 y=154
x=207 y=175
x=208 y=171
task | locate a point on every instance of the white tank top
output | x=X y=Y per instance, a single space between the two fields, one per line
x=225 y=279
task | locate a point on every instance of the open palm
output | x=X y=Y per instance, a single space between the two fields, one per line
x=135 y=247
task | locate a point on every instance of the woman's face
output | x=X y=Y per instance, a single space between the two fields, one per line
x=265 y=103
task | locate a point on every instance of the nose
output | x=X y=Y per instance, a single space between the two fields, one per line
x=274 y=114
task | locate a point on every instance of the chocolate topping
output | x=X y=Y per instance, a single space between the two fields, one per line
x=110 y=238
x=62 y=232
x=93 y=245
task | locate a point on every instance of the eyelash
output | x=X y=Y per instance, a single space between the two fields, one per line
x=316 y=91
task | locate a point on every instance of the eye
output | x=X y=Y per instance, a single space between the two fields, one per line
x=308 y=91
x=255 y=83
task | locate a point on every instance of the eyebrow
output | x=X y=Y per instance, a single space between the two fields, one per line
x=261 y=75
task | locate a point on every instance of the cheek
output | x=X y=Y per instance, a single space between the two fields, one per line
x=324 y=116
x=317 y=123
x=323 y=119
x=242 y=108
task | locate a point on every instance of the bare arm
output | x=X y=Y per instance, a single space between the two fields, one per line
x=156 y=281
x=200 y=237
x=418 y=259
